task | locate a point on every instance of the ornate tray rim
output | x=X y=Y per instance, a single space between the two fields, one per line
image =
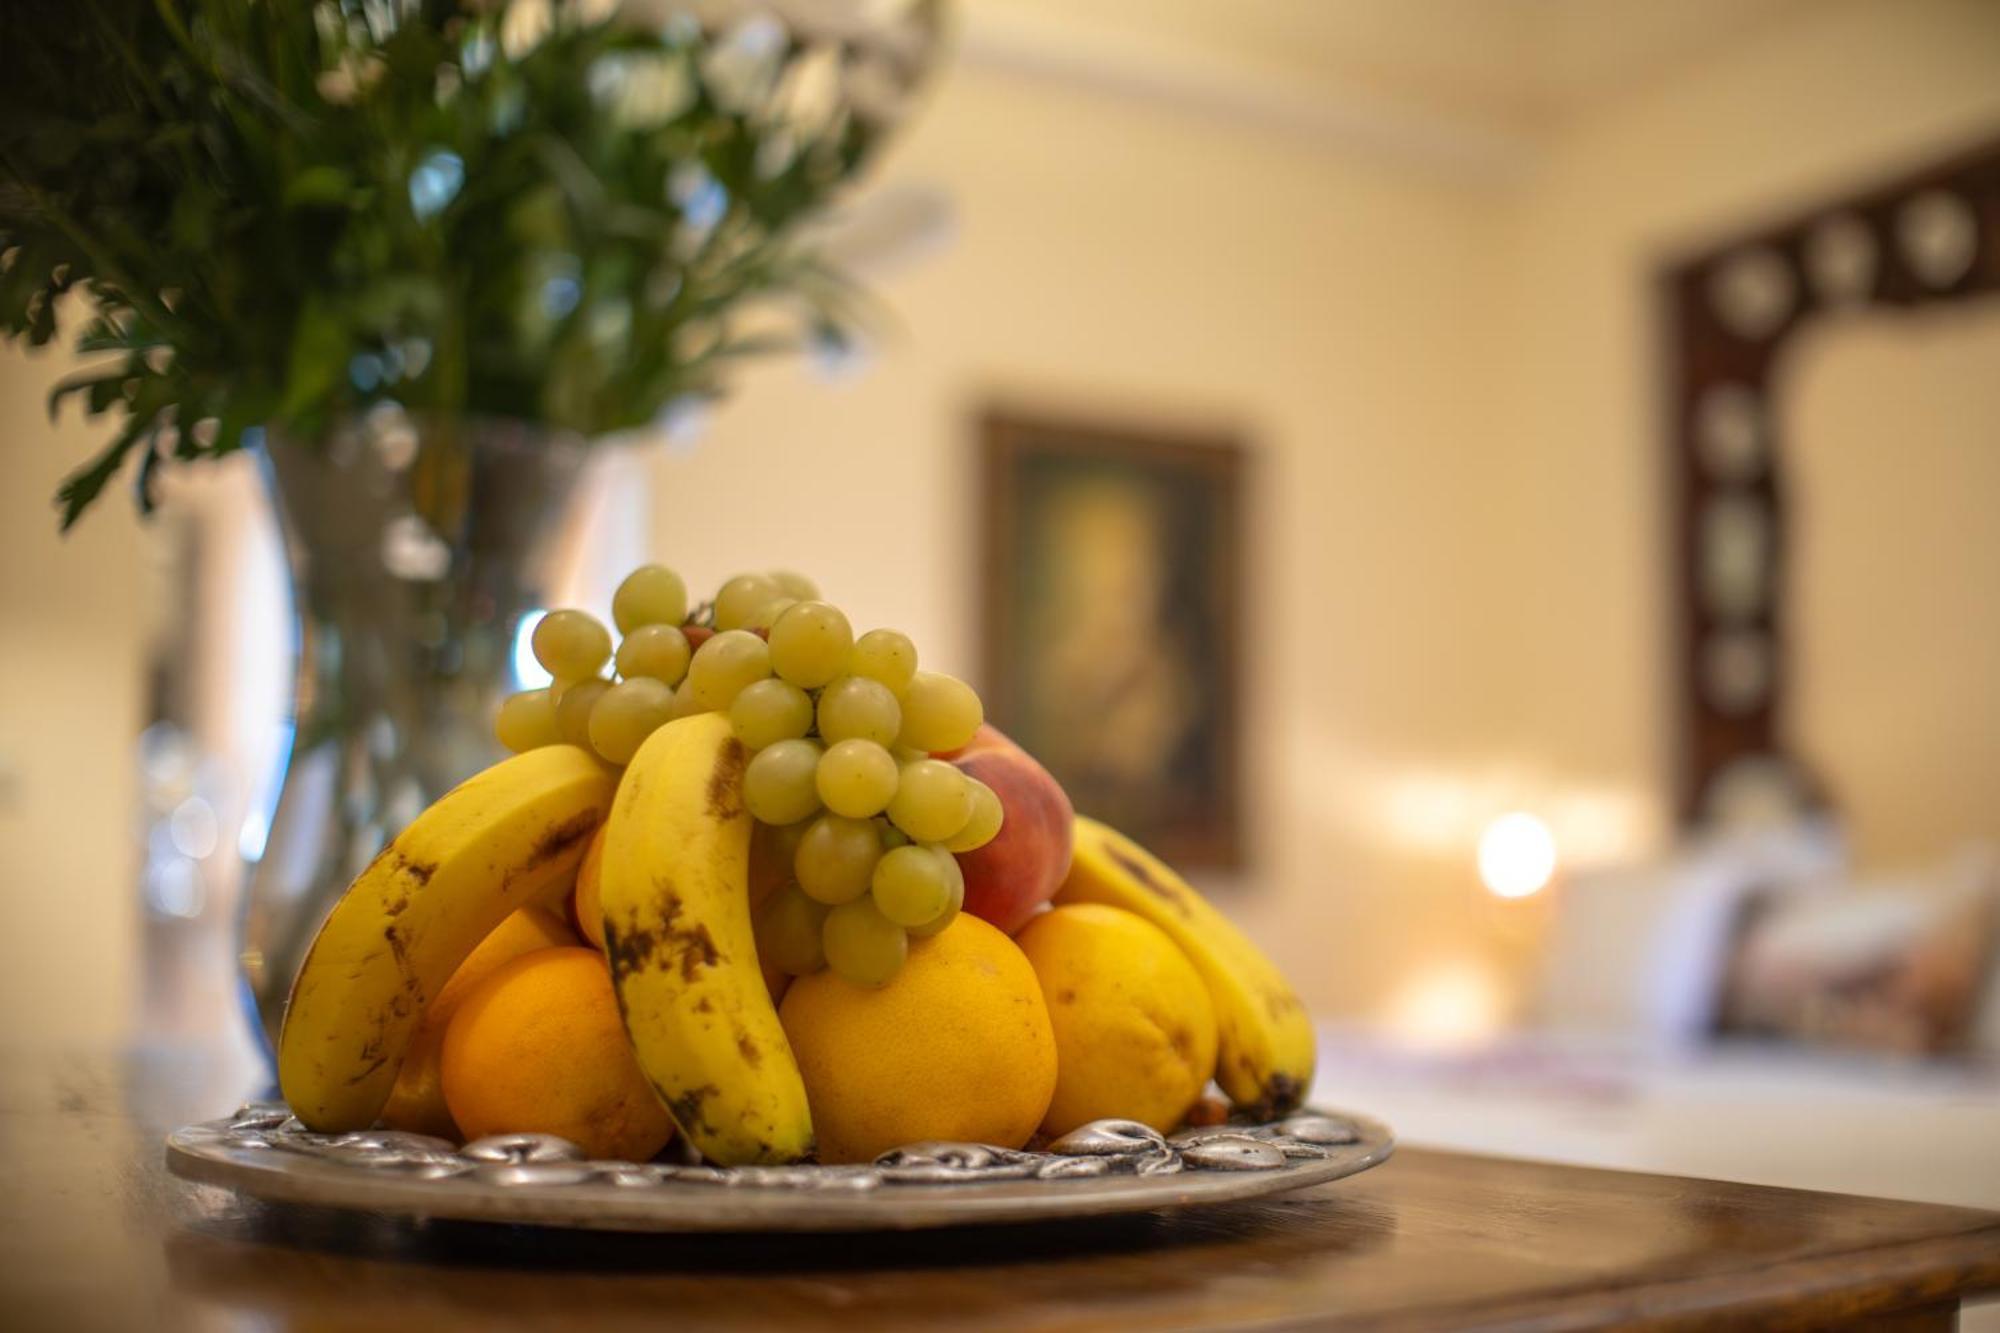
x=533 y=1180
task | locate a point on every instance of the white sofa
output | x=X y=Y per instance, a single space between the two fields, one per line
x=1622 y=1068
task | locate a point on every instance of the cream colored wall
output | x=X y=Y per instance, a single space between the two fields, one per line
x=1894 y=476
x=72 y=616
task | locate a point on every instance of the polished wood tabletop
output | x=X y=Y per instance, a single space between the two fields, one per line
x=95 y=1234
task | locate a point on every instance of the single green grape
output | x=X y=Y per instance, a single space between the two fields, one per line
x=810 y=643
x=857 y=707
x=789 y=929
x=932 y=801
x=857 y=778
x=571 y=645
x=769 y=711
x=886 y=655
x=940 y=712
x=984 y=825
x=726 y=665
x=953 y=907
x=794 y=585
x=685 y=704
x=742 y=598
x=836 y=858
x=768 y=614
x=778 y=785
x=527 y=720
x=862 y=946
x=574 y=707
x=650 y=595
x=911 y=885
x=657 y=651
x=626 y=714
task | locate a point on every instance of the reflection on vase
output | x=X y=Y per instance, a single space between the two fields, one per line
x=415 y=550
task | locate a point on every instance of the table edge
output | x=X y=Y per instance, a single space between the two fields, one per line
x=1820 y=1291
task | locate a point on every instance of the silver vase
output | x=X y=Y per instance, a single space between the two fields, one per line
x=415 y=547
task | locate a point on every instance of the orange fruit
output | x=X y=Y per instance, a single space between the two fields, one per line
x=538 y=1047
x=583 y=903
x=417 y=1103
x=957 y=1046
x=1135 y=1027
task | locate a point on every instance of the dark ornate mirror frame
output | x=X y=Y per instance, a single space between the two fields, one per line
x=1732 y=313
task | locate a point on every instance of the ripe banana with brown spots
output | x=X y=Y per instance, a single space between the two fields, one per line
x=505 y=838
x=1266 y=1050
x=674 y=891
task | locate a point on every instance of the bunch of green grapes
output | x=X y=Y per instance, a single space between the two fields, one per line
x=581 y=706
x=841 y=732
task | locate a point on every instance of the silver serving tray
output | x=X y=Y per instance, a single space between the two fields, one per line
x=1106 y=1167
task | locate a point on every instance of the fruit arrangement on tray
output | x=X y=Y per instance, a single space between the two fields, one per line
x=772 y=888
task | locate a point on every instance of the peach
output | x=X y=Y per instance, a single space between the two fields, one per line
x=1009 y=878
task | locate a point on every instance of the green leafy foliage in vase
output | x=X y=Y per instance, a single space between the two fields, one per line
x=277 y=213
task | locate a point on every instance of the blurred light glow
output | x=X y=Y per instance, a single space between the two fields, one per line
x=524 y=25
x=1451 y=1005
x=702 y=199
x=528 y=673
x=1517 y=855
x=174 y=889
x=435 y=183
x=256 y=830
x=1430 y=812
x=1596 y=826
x=411 y=550
x=683 y=423
x=560 y=295
x=194 y=828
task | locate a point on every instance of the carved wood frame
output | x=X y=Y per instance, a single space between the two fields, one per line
x=1732 y=313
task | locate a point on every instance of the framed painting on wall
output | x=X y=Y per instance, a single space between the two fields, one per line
x=1112 y=621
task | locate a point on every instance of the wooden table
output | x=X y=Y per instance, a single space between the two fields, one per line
x=93 y=1233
